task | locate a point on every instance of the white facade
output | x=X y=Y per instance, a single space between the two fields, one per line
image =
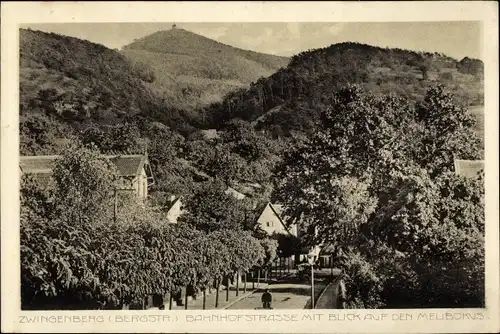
x=270 y=220
x=175 y=211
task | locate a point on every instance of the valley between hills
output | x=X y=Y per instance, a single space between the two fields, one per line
x=367 y=153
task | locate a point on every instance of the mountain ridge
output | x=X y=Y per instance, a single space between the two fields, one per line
x=312 y=76
x=193 y=71
x=156 y=42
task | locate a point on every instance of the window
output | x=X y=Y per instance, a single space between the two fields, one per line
x=270 y=224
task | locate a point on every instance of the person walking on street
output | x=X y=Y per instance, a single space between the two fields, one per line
x=342 y=296
x=266 y=299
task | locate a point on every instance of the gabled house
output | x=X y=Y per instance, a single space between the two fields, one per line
x=468 y=168
x=134 y=170
x=175 y=210
x=271 y=220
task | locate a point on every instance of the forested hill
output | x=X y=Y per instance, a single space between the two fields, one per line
x=73 y=91
x=287 y=100
x=192 y=71
x=68 y=84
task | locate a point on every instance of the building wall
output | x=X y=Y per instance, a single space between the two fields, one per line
x=141 y=185
x=270 y=223
x=174 y=212
x=143 y=188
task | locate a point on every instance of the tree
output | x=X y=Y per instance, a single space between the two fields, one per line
x=84 y=184
x=245 y=250
x=447 y=131
x=74 y=255
x=210 y=208
x=396 y=213
x=270 y=247
x=56 y=252
x=288 y=244
x=244 y=141
x=223 y=164
x=35 y=197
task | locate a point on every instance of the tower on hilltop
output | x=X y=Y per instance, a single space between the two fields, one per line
x=174 y=26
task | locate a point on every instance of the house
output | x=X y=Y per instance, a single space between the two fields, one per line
x=175 y=210
x=271 y=220
x=235 y=193
x=134 y=170
x=210 y=134
x=326 y=255
x=468 y=168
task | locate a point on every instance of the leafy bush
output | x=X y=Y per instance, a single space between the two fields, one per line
x=362 y=282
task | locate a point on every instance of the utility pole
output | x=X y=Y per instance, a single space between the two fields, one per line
x=311 y=257
x=312 y=286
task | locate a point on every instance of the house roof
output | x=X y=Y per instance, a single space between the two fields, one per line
x=468 y=168
x=37 y=164
x=127 y=165
x=235 y=193
x=277 y=209
x=171 y=205
x=210 y=133
x=245 y=188
x=327 y=249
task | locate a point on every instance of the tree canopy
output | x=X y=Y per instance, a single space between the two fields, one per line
x=74 y=255
x=377 y=181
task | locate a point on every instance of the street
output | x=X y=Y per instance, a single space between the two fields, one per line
x=291 y=293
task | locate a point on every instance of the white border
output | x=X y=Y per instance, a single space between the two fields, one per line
x=34 y=12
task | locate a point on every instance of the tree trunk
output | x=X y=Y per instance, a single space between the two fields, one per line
x=245 y=284
x=204 y=297
x=171 y=299
x=217 y=285
x=237 y=283
x=186 y=299
x=227 y=289
x=258 y=277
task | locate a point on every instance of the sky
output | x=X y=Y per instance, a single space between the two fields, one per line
x=457 y=39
